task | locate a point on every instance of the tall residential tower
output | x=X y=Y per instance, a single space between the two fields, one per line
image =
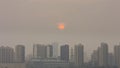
x=64 y=52
x=6 y=54
x=39 y=51
x=79 y=54
x=103 y=54
x=20 y=53
x=117 y=55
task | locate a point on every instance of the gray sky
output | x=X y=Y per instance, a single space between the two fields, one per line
x=89 y=22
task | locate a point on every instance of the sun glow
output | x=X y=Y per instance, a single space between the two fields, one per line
x=61 y=26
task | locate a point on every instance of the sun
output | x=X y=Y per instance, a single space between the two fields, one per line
x=61 y=26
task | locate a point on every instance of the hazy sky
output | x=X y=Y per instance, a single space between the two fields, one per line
x=89 y=22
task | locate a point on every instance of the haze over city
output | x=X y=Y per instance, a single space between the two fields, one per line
x=89 y=22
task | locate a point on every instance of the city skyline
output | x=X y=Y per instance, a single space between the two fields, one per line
x=43 y=55
x=35 y=21
x=55 y=50
x=59 y=34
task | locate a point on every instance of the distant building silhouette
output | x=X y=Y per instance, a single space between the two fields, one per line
x=20 y=53
x=6 y=54
x=55 y=50
x=111 y=60
x=103 y=54
x=39 y=51
x=64 y=52
x=72 y=55
x=79 y=54
x=49 y=51
x=95 y=58
x=117 y=55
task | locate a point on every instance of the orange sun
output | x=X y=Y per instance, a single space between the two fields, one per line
x=61 y=26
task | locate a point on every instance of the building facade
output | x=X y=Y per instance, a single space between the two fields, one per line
x=20 y=54
x=79 y=54
x=111 y=60
x=64 y=52
x=49 y=51
x=6 y=54
x=103 y=54
x=117 y=55
x=39 y=51
x=95 y=58
x=55 y=50
x=47 y=63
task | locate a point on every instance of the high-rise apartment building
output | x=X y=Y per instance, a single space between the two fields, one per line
x=49 y=51
x=72 y=55
x=117 y=55
x=39 y=51
x=20 y=54
x=111 y=60
x=55 y=50
x=64 y=52
x=6 y=54
x=95 y=58
x=103 y=54
x=79 y=54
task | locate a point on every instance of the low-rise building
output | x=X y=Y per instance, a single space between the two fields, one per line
x=47 y=63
